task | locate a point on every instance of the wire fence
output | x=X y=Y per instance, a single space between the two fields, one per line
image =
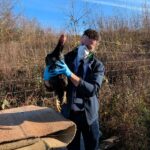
x=22 y=86
x=123 y=44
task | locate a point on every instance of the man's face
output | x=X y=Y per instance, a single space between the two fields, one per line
x=90 y=43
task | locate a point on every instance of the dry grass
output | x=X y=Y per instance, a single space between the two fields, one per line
x=125 y=94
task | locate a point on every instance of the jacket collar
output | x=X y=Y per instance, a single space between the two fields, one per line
x=73 y=55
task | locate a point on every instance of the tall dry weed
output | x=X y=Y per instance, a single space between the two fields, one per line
x=124 y=50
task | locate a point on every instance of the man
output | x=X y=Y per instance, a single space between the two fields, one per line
x=85 y=73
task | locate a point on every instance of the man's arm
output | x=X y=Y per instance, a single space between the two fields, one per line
x=75 y=79
x=89 y=88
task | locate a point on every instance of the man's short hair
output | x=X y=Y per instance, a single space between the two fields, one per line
x=92 y=34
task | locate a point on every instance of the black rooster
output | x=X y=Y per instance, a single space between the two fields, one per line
x=58 y=83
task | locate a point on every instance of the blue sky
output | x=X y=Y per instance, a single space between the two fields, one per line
x=53 y=13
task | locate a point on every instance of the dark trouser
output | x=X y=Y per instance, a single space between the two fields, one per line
x=91 y=133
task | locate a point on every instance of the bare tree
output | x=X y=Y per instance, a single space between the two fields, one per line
x=76 y=18
x=7 y=18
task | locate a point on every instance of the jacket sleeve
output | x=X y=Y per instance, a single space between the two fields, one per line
x=91 y=87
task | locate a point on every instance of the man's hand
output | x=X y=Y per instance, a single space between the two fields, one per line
x=61 y=68
x=47 y=75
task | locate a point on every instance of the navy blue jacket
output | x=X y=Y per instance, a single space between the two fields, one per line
x=89 y=87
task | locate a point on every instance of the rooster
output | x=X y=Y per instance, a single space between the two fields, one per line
x=58 y=83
